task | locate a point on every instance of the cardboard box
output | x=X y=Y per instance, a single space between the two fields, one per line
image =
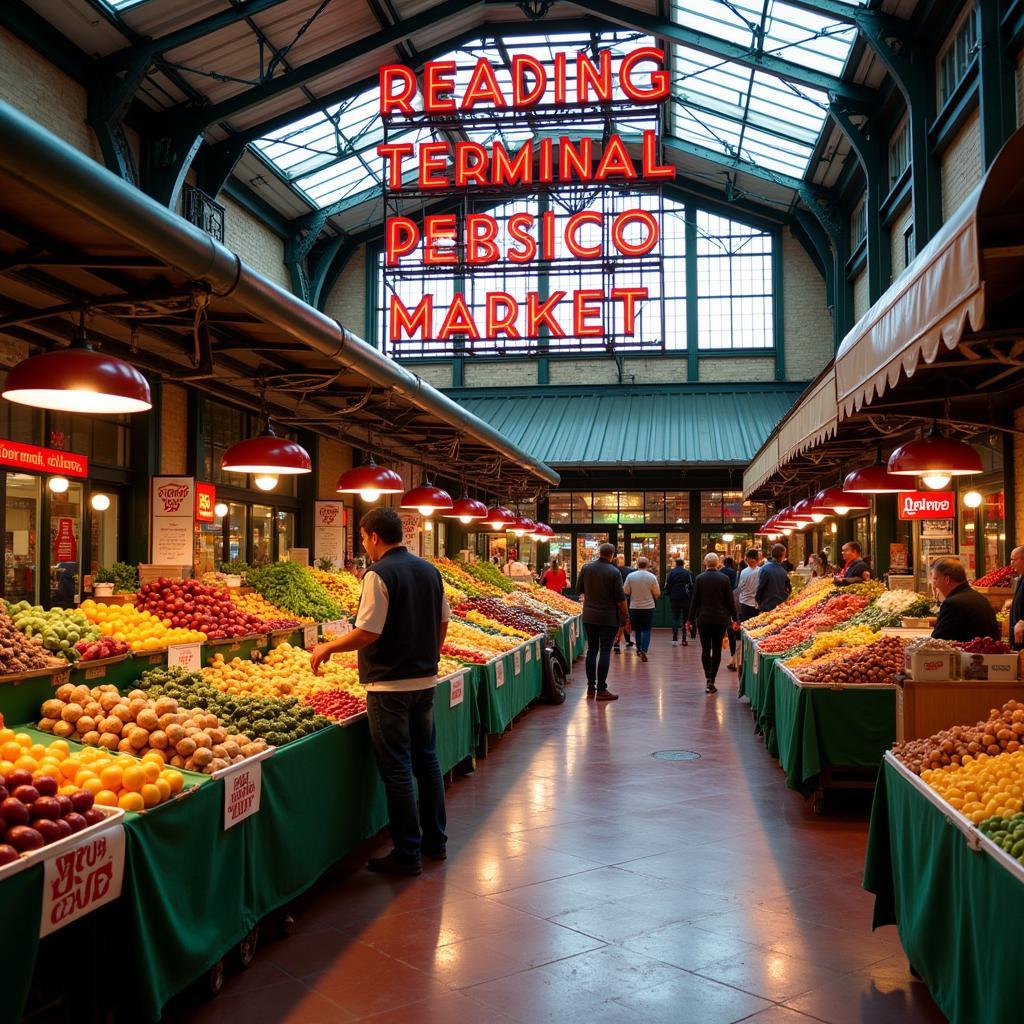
x=994 y=667
x=932 y=665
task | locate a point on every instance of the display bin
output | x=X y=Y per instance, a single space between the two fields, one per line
x=520 y=675
x=925 y=707
x=955 y=897
x=580 y=643
x=997 y=596
x=240 y=647
x=822 y=728
x=119 y=670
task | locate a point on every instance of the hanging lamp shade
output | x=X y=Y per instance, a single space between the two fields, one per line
x=499 y=518
x=78 y=379
x=784 y=519
x=523 y=525
x=874 y=479
x=466 y=510
x=542 y=533
x=765 y=530
x=370 y=481
x=832 y=499
x=267 y=455
x=802 y=512
x=934 y=456
x=427 y=499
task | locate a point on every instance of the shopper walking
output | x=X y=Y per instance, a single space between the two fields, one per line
x=728 y=569
x=554 y=577
x=746 y=587
x=604 y=613
x=712 y=609
x=624 y=571
x=400 y=626
x=1017 y=605
x=679 y=587
x=773 y=586
x=642 y=592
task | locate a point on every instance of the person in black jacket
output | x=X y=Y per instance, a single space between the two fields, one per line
x=679 y=587
x=712 y=608
x=1017 y=606
x=728 y=569
x=964 y=613
x=773 y=586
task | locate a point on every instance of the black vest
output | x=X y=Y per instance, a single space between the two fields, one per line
x=410 y=645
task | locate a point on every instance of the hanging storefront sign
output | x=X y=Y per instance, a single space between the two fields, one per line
x=926 y=505
x=411 y=530
x=206 y=500
x=329 y=522
x=172 y=522
x=42 y=460
x=65 y=544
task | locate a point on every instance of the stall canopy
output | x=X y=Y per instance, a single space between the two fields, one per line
x=162 y=293
x=944 y=343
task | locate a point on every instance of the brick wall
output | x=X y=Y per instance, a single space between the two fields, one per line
x=437 y=374
x=332 y=459
x=487 y=373
x=860 y=295
x=736 y=369
x=807 y=323
x=347 y=299
x=670 y=370
x=254 y=242
x=902 y=221
x=961 y=165
x=173 y=429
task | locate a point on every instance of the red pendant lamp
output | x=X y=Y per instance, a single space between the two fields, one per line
x=370 y=481
x=874 y=479
x=803 y=513
x=542 y=533
x=266 y=457
x=784 y=519
x=427 y=499
x=935 y=458
x=499 y=518
x=466 y=510
x=836 y=500
x=523 y=525
x=78 y=379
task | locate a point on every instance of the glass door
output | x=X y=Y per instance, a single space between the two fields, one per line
x=586 y=548
x=65 y=552
x=21 y=539
x=645 y=545
x=262 y=534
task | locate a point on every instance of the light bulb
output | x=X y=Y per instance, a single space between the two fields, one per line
x=264 y=481
x=497 y=526
x=100 y=502
x=818 y=517
x=834 y=528
x=369 y=495
x=58 y=484
x=936 y=481
x=972 y=499
x=428 y=526
x=841 y=510
x=465 y=520
x=220 y=509
x=426 y=510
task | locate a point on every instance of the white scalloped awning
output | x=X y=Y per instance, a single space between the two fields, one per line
x=812 y=421
x=763 y=466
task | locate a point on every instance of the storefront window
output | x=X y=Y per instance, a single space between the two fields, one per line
x=586 y=547
x=729 y=507
x=285 y=534
x=560 y=547
x=223 y=426
x=262 y=526
x=734 y=548
x=105 y=439
x=236 y=531
x=631 y=507
x=934 y=538
x=677 y=545
x=654 y=506
x=606 y=507
x=559 y=508
x=103 y=535
x=994 y=527
x=209 y=547
x=646 y=545
x=19 y=422
x=677 y=507
x=21 y=538
x=65 y=551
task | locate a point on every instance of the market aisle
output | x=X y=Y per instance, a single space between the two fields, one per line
x=589 y=882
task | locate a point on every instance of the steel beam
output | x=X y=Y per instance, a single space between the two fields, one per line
x=995 y=80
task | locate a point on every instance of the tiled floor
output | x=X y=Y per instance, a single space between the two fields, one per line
x=588 y=882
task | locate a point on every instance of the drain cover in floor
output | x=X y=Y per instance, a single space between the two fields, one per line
x=676 y=755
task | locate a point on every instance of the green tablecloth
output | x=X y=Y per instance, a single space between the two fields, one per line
x=957 y=910
x=746 y=680
x=581 y=641
x=21 y=900
x=760 y=689
x=500 y=704
x=815 y=727
x=569 y=638
x=456 y=726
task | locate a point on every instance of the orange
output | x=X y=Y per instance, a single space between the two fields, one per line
x=131 y=802
x=92 y=785
x=28 y=763
x=6 y=735
x=164 y=787
x=151 y=769
x=111 y=776
x=10 y=751
x=59 y=745
x=23 y=739
x=105 y=798
x=133 y=778
x=70 y=768
x=175 y=779
x=69 y=790
x=151 y=795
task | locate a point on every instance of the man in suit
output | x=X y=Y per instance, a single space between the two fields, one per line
x=1017 y=607
x=964 y=613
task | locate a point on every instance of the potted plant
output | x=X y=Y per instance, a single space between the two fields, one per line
x=234 y=571
x=325 y=565
x=103 y=582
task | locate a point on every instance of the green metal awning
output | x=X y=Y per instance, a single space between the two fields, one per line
x=642 y=426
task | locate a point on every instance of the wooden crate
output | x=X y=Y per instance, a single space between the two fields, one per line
x=929 y=706
x=997 y=596
x=148 y=573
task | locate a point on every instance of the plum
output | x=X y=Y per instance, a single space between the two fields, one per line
x=24 y=839
x=45 y=807
x=48 y=829
x=8 y=854
x=14 y=812
x=76 y=821
x=47 y=785
x=26 y=794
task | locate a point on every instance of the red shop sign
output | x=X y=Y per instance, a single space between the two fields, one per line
x=42 y=460
x=926 y=505
x=206 y=498
x=65 y=546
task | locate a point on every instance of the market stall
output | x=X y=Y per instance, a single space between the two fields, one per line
x=508 y=684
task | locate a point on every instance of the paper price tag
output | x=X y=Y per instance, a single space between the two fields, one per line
x=95 y=673
x=310 y=635
x=338 y=627
x=81 y=879
x=756 y=656
x=242 y=791
x=517 y=661
x=260 y=643
x=499 y=673
x=538 y=650
x=186 y=656
x=529 y=653
x=458 y=687
x=61 y=677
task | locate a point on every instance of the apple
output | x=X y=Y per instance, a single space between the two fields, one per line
x=76 y=821
x=3 y=793
x=66 y=806
x=23 y=838
x=8 y=854
x=46 y=807
x=81 y=801
x=49 y=830
x=19 y=777
x=47 y=785
x=64 y=827
x=14 y=811
x=94 y=816
x=26 y=794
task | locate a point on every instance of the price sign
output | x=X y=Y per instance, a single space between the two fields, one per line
x=529 y=653
x=338 y=627
x=186 y=656
x=242 y=790
x=61 y=677
x=572 y=634
x=499 y=673
x=95 y=673
x=310 y=635
x=538 y=650
x=756 y=655
x=81 y=879
x=517 y=661
x=260 y=643
x=458 y=687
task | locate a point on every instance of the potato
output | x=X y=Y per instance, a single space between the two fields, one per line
x=139 y=738
x=63 y=693
x=137 y=694
x=123 y=712
x=202 y=757
x=91 y=738
x=109 y=701
x=112 y=724
x=147 y=719
x=166 y=706
x=175 y=733
x=47 y=724
x=185 y=747
x=124 y=744
x=166 y=719
x=52 y=708
x=109 y=740
x=63 y=729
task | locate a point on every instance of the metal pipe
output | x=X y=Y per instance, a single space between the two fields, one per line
x=41 y=161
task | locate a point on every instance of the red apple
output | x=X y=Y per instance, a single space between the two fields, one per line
x=26 y=794
x=46 y=807
x=47 y=785
x=19 y=777
x=66 y=806
x=76 y=821
x=8 y=854
x=64 y=827
x=94 y=816
x=49 y=830
x=14 y=811
x=81 y=801
x=23 y=838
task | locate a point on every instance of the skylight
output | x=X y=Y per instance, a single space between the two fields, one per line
x=123 y=5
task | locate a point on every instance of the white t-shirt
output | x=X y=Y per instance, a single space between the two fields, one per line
x=372 y=614
x=747 y=586
x=642 y=587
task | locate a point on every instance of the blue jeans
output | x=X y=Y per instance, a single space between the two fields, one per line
x=599 y=653
x=680 y=609
x=642 y=619
x=404 y=745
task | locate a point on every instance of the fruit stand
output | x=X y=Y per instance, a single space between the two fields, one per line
x=508 y=683
x=457 y=717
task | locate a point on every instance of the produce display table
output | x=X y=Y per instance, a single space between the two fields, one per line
x=570 y=639
x=580 y=644
x=508 y=683
x=457 y=724
x=818 y=728
x=955 y=897
x=757 y=676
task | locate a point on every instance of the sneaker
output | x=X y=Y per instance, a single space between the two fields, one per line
x=591 y=690
x=607 y=695
x=686 y=643
x=616 y=649
x=390 y=864
x=438 y=853
x=629 y=643
x=711 y=688
x=675 y=643
x=643 y=655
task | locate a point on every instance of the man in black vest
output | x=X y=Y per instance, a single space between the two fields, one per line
x=400 y=627
x=1017 y=607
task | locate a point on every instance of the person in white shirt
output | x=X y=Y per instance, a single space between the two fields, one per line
x=642 y=588
x=746 y=586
